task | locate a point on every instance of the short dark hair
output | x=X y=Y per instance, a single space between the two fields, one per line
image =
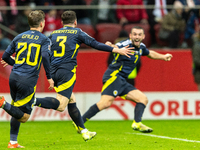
x=137 y=27
x=35 y=17
x=68 y=17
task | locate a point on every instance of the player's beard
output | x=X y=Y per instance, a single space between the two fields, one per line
x=136 y=43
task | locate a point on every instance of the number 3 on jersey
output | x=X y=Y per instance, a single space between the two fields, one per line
x=62 y=45
x=24 y=46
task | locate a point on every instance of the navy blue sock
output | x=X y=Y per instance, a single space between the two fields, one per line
x=75 y=115
x=139 y=110
x=14 y=129
x=48 y=103
x=13 y=111
x=92 y=111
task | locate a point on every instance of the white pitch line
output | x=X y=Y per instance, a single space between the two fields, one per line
x=165 y=137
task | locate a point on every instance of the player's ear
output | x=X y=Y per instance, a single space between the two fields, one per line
x=130 y=35
x=41 y=24
x=143 y=36
x=75 y=23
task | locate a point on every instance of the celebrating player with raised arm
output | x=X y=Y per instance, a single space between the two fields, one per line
x=65 y=44
x=32 y=48
x=114 y=79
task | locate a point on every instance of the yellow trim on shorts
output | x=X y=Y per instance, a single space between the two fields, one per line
x=67 y=84
x=112 y=79
x=23 y=101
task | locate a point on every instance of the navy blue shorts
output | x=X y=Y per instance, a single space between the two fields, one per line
x=22 y=95
x=64 y=81
x=116 y=86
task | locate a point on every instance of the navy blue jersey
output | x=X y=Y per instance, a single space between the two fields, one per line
x=28 y=47
x=65 y=44
x=122 y=65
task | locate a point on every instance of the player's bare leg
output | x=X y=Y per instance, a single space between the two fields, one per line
x=105 y=102
x=13 y=110
x=141 y=102
x=63 y=102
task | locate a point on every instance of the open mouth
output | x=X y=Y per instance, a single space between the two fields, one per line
x=137 y=41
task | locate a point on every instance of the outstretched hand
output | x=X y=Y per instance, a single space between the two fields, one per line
x=168 y=57
x=127 y=51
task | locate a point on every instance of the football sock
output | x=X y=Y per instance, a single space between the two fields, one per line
x=13 y=111
x=84 y=130
x=76 y=115
x=14 y=129
x=139 y=109
x=47 y=102
x=92 y=111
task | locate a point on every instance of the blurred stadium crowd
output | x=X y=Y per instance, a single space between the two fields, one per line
x=167 y=23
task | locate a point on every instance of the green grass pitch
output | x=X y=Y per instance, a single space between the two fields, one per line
x=111 y=135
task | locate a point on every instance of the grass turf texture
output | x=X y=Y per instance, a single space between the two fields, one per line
x=111 y=135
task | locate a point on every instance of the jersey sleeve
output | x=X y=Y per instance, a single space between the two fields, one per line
x=124 y=43
x=145 y=51
x=46 y=45
x=46 y=64
x=11 y=48
x=8 y=52
x=90 y=41
x=85 y=38
x=120 y=45
x=6 y=57
x=45 y=51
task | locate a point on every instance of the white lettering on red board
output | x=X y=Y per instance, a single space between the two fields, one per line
x=173 y=107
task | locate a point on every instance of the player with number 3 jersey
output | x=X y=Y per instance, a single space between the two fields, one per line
x=65 y=44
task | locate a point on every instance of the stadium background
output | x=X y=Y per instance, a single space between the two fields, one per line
x=169 y=87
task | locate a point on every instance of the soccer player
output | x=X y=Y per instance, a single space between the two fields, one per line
x=32 y=49
x=114 y=79
x=65 y=44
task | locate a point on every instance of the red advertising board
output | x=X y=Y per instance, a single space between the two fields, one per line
x=154 y=75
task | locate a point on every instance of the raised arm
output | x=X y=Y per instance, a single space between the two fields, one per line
x=156 y=55
x=121 y=51
x=103 y=47
x=111 y=45
x=85 y=38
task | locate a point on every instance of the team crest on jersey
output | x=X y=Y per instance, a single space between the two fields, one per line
x=140 y=51
x=115 y=92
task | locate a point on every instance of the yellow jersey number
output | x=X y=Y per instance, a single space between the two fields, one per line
x=24 y=46
x=136 y=58
x=62 y=45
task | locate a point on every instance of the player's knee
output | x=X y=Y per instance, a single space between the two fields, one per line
x=103 y=104
x=23 y=121
x=61 y=109
x=107 y=104
x=63 y=105
x=24 y=118
x=144 y=100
